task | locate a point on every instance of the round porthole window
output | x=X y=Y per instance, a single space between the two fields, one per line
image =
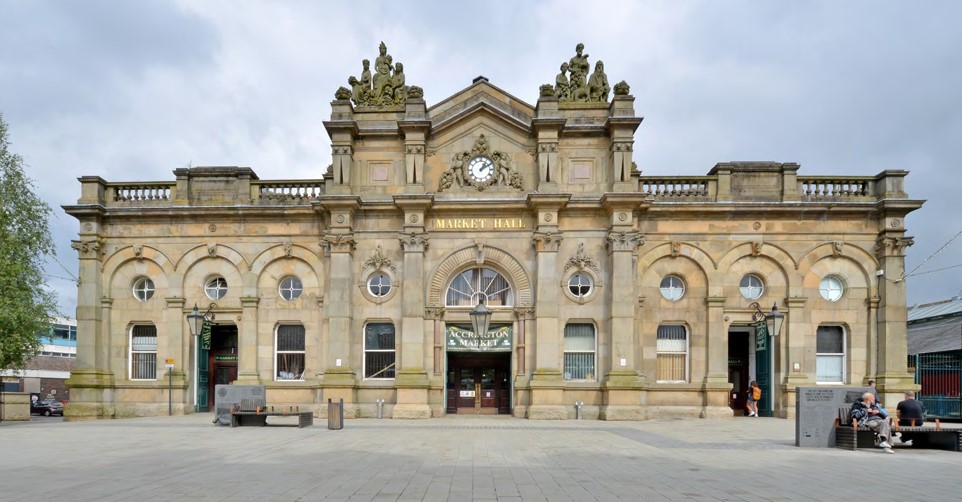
x=379 y=284
x=580 y=285
x=216 y=288
x=672 y=288
x=831 y=288
x=290 y=288
x=751 y=287
x=143 y=289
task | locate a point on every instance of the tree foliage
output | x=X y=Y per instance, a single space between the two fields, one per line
x=26 y=304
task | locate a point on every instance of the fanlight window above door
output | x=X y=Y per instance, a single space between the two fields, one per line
x=484 y=283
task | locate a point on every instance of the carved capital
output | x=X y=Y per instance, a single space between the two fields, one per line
x=547 y=241
x=433 y=312
x=581 y=260
x=624 y=241
x=523 y=312
x=887 y=245
x=377 y=261
x=338 y=242
x=90 y=248
x=416 y=242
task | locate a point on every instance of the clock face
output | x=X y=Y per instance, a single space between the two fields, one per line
x=481 y=169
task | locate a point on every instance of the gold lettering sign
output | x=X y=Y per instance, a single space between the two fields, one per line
x=479 y=224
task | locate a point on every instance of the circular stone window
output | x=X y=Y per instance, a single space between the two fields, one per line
x=831 y=288
x=143 y=289
x=580 y=285
x=672 y=288
x=751 y=287
x=379 y=284
x=290 y=288
x=216 y=288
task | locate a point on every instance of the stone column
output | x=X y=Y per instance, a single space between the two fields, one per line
x=247 y=370
x=524 y=314
x=91 y=384
x=547 y=382
x=893 y=377
x=412 y=378
x=717 y=386
x=793 y=350
x=872 y=345
x=435 y=314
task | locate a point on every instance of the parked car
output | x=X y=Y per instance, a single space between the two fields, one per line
x=46 y=408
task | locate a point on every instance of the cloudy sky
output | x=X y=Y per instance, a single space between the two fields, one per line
x=132 y=90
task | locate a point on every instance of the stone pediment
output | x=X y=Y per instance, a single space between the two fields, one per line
x=481 y=97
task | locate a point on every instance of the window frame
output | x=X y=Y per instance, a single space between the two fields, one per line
x=281 y=288
x=686 y=353
x=365 y=351
x=509 y=291
x=761 y=291
x=841 y=290
x=213 y=279
x=379 y=274
x=593 y=352
x=277 y=332
x=843 y=354
x=662 y=288
x=131 y=352
x=148 y=291
x=590 y=285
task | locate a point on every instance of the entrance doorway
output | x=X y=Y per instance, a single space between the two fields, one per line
x=479 y=383
x=222 y=359
x=738 y=371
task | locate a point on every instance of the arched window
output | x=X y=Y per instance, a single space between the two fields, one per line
x=484 y=283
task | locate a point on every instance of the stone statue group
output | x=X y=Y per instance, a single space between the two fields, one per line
x=574 y=83
x=385 y=87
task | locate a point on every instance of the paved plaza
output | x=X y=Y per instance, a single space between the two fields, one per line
x=456 y=458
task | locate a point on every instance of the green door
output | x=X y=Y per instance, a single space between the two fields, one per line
x=203 y=368
x=763 y=368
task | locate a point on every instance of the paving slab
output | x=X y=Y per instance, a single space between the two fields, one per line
x=452 y=459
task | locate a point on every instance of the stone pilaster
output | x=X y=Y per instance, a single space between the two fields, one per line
x=412 y=378
x=893 y=377
x=621 y=127
x=717 y=386
x=342 y=128
x=414 y=127
x=247 y=370
x=548 y=125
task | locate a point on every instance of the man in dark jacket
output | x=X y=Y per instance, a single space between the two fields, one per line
x=911 y=409
x=868 y=413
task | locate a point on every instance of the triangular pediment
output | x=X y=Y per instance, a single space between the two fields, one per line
x=481 y=98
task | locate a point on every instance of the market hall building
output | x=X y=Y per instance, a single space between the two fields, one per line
x=486 y=255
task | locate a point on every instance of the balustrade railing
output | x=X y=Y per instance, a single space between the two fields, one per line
x=682 y=187
x=835 y=187
x=297 y=191
x=140 y=192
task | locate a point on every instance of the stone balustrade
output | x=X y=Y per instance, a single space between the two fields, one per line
x=142 y=192
x=296 y=191
x=702 y=187
x=813 y=188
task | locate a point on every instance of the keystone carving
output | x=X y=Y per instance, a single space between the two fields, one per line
x=547 y=241
x=378 y=261
x=288 y=248
x=212 y=250
x=581 y=260
x=837 y=248
x=756 y=248
x=138 y=251
x=624 y=241
x=675 y=248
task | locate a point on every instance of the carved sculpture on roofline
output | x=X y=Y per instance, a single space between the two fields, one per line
x=385 y=88
x=480 y=168
x=575 y=85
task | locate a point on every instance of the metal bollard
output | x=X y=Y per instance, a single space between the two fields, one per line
x=578 y=405
x=380 y=408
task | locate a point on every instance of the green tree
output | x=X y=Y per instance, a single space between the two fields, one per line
x=26 y=304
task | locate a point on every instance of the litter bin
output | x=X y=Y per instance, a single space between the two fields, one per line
x=335 y=415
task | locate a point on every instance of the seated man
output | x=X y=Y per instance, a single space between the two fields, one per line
x=910 y=409
x=868 y=413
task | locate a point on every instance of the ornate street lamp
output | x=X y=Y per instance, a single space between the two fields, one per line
x=480 y=318
x=773 y=320
x=195 y=320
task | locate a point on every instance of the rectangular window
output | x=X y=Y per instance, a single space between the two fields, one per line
x=289 y=351
x=579 y=352
x=830 y=354
x=379 y=351
x=672 y=353
x=143 y=353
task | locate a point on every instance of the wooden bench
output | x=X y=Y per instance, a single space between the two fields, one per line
x=850 y=436
x=253 y=411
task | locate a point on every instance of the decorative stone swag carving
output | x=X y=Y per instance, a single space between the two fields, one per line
x=581 y=260
x=378 y=261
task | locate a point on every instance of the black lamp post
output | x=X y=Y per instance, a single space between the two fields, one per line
x=480 y=318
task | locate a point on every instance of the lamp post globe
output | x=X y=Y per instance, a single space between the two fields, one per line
x=195 y=321
x=480 y=318
x=773 y=321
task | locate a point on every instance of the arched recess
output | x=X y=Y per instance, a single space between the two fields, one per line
x=696 y=254
x=488 y=256
x=849 y=252
x=219 y=250
x=117 y=260
x=123 y=274
x=278 y=252
x=770 y=251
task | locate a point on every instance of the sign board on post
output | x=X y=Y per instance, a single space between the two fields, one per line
x=169 y=363
x=462 y=340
